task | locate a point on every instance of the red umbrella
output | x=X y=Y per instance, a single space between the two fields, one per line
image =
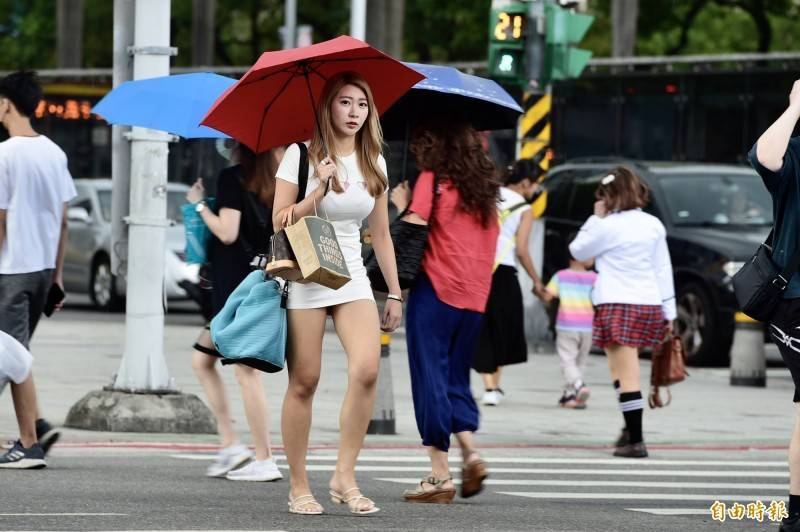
x=274 y=103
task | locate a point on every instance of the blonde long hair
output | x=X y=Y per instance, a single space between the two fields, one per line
x=369 y=139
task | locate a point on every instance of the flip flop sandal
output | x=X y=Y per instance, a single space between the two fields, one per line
x=301 y=504
x=354 y=502
x=437 y=495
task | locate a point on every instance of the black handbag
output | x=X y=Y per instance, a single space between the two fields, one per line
x=410 y=241
x=759 y=284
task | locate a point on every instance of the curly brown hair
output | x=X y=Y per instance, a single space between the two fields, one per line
x=453 y=150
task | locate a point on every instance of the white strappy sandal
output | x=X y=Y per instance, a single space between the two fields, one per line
x=353 y=502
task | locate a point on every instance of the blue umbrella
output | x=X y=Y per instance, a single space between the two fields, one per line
x=175 y=104
x=482 y=102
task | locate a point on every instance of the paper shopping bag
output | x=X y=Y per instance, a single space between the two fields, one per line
x=314 y=243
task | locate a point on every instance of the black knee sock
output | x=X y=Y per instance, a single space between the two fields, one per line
x=794 y=506
x=632 y=405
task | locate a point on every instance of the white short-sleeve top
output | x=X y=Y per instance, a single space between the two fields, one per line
x=346 y=211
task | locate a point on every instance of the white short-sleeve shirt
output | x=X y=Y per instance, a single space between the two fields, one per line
x=34 y=185
x=346 y=211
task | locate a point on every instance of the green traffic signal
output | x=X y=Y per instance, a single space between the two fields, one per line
x=563 y=29
x=508 y=27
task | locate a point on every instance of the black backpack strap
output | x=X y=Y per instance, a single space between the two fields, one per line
x=302 y=172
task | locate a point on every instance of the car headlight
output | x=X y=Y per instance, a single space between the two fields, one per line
x=730 y=268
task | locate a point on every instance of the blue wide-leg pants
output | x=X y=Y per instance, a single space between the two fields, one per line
x=441 y=346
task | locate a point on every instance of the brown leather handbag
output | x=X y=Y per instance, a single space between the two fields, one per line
x=668 y=367
x=282 y=262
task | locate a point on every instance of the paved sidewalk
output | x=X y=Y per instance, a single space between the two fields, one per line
x=76 y=352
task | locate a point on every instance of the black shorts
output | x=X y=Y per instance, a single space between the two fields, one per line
x=784 y=328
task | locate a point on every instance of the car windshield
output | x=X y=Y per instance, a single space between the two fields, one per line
x=717 y=199
x=175 y=198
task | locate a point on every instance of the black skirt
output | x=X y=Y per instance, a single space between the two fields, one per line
x=502 y=338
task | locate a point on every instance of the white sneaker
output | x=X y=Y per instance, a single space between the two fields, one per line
x=257 y=471
x=228 y=459
x=491 y=398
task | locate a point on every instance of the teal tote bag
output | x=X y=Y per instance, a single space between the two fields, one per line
x=251 y=327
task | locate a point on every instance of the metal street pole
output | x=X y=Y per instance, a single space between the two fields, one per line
x=120 y=146
x=143 y=366
x=358 y=19
x=290 y=24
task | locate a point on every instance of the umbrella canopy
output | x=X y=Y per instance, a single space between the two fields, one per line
x=482 y=102
x=174 y=104
x=275 y=101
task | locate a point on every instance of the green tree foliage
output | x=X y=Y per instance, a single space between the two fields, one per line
x=27 y=34
x=437 y=31
x=98 y=33
x=703 y=27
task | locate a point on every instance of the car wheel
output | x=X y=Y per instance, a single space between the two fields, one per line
x=697 y=327
x=102 y=286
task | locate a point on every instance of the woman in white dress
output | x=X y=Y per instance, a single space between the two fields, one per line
x=345 y=150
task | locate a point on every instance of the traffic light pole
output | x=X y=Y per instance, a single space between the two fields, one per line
x=143 y=397
x=121 y=148
x=144 y=367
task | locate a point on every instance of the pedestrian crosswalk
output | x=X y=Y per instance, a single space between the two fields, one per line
x=670 y=486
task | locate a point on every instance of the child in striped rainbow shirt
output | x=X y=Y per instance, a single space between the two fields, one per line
x=573 y=288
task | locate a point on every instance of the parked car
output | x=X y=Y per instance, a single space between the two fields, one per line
x=715 y=215
x=87 y=263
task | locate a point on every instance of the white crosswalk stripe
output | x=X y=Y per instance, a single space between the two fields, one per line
x=675 y=483
x=667 y=482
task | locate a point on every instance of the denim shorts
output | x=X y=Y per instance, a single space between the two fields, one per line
x=22 y=299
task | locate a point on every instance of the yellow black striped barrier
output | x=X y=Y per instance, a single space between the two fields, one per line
x=534 y=139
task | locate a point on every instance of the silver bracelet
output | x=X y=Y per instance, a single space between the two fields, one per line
x=394 y=297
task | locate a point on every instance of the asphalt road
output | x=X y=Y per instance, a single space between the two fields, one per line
x=528 y=489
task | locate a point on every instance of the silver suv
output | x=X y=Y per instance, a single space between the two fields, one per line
x=87 y=264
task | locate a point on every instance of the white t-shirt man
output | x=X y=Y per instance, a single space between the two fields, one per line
x=34 y=185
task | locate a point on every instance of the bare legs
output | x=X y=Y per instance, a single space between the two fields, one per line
x=204 y=367
x=255 y=408
x=303 y=363
x=24 y=397
x=440 y=466
x=491 y=381
x=623 y=364
x=357 y=325
x=253 y=395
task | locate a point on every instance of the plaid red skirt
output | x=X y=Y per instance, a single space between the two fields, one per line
x=629 y=325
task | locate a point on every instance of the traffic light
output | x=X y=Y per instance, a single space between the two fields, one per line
x=508 y=27
x=564 y=28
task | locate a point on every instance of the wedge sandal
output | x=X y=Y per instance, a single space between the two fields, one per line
x=472 y=476
x=437 y=495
